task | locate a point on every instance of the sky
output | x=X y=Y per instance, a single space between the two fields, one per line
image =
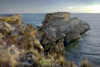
x=48 y=6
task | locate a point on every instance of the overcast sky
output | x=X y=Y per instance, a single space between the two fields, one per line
x=45 y=6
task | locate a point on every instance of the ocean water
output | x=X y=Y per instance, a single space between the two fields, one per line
x=34 y=19
x=88 y=46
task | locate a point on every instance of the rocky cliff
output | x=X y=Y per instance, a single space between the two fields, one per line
x=59 y=27
x=14 y=31
x=16 y=40
x=23 y=45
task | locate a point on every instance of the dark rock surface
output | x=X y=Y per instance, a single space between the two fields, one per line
x=60 y=27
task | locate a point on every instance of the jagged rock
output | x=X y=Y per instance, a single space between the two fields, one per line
x=15 y=35
x=29 y=40
x=5 y=28
x=16 y=32
x=59 y=15
x=58 y=26
x=20 y=42
x=9 y=55
x=12 y=49
x=11 y=18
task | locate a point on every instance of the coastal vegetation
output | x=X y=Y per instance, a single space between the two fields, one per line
x=25 y=46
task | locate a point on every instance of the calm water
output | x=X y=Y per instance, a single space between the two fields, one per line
x=88 y=46
x=89 y=43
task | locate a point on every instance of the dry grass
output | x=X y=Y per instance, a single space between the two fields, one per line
x=7 y=60
x=62 y=60
x=70 y=64
x=84 y=63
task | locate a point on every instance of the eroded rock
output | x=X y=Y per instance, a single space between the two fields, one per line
x=22 y=43
x=59 y=26
x=14 y=36
x=14 y=31
x=9 y=55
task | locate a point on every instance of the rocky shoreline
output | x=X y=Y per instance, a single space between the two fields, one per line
x=25 y=46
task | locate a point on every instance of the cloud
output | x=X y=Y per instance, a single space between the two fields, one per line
x=72 y=9
x=45 y=6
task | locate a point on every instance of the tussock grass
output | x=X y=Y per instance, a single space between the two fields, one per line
x=62 y=60
x=7 y=59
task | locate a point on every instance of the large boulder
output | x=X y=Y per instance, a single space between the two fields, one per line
x=60 y=27
x=14 y=31
x=17 y=40
x=10 y=55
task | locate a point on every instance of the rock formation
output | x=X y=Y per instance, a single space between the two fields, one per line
x=23 y=45
x=16 y=36
x=9 y=55
x=59 y=27
x=14 y=31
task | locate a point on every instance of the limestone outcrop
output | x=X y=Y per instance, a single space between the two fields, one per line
x=9 y=55
x=60 y=27
x=17 y=39
x=14 y=31
x=24 y=46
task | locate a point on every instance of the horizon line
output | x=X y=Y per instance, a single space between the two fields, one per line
x=27 y=13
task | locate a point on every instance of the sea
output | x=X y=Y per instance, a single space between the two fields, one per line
x=87 y=47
